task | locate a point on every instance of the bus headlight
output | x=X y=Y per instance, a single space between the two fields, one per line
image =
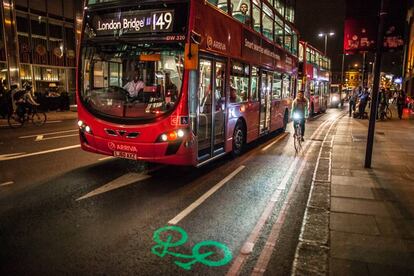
x=172 y=136
x=84 y=127
x=335 y=98
x=88 y=129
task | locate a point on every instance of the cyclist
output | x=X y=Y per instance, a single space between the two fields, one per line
x=300 y=107
x=25 y=101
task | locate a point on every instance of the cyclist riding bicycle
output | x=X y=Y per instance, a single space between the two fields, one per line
x=300 y=107
x=26 y=101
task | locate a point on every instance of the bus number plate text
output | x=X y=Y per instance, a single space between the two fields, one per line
x=126 y=155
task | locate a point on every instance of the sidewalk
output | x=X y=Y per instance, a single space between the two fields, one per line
x=371 y=221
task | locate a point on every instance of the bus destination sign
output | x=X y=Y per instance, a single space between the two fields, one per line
x=133 y=22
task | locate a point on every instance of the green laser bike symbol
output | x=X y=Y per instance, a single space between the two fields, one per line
x=161 y=249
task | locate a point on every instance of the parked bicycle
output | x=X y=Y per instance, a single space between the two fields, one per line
x=386 y=113
x=37 y=118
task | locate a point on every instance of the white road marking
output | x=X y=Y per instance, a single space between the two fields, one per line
x=198 y=202
x=275 y=141
x=8 y=183
x=106 y=158
x=11 y=154
x=58 y=137
x=49 y=133
x=122 y=181
x=39 y=137
x=7 y=157
x=52 y=122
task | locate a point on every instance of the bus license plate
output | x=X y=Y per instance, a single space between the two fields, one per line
x=126 y=155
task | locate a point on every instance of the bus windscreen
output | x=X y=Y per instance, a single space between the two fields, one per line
x=133 y=82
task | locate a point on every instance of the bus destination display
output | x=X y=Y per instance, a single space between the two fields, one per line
x=133 y=22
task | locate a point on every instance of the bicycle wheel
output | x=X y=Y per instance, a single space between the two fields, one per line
x=298 y=138
x=15 y=121
x=388 y=114
x=39 y=118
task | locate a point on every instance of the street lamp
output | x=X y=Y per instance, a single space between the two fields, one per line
x=326 y=38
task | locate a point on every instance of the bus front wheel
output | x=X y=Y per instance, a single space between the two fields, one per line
x=238 y=139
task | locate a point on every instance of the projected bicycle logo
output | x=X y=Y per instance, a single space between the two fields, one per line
x=209 y=253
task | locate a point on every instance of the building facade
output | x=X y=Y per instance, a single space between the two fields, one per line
x=38 y=44
x=409 y=53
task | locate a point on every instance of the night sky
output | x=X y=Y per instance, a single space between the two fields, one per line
x=315 y=16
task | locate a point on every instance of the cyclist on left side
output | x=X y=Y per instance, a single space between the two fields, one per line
x=25 y=101
x=300 y=113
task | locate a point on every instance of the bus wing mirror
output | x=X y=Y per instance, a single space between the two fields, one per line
x=191 y=56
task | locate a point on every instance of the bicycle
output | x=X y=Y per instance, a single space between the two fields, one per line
x=386 y=113
x=297 y=136
x=37 y=118
x=173 y=236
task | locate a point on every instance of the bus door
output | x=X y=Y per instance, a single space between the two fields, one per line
x=265 y=101
x=211 y=108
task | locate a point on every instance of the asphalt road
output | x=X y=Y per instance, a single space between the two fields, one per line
x=65 y=211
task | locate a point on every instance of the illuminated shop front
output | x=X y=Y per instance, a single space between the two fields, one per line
x=46 y=44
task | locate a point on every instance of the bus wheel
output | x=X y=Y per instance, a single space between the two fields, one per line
x=238 y=139
x=285 y=121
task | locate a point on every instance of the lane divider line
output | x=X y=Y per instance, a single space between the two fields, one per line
x=248 y=246
x=8 y=183
x=281 y=137
x=200 y=200
x=57 y=137
x=124 y=180
x=106 y=158
x=8 y=157
x=48 y=133
x=266 y=254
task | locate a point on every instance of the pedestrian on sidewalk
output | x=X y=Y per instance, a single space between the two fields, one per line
x=400 y=103
x=363 y=101
x=352 y=102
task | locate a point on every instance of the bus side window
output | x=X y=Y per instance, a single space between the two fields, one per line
x=221 y=4
x=240 y=10
x=277 y=86
x=239 y=82
x=254 y=86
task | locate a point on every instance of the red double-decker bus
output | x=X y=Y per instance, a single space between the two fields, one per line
x=184 y=82
x=314 y=77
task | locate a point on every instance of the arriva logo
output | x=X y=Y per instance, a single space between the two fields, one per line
x=121 y=147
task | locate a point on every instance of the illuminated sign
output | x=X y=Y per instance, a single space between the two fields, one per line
x=147 y=21
x=204 y=252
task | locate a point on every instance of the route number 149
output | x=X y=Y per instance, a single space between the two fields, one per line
x=162 y=21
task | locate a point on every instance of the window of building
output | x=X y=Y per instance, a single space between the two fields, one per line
x=256 y=15
x=295 y=43
x=288 y=38
x=279 y=6
x=290 y=11
x=267 y=22
x=254 y=91
x=239 y=82
x=277 y=86
x=278 y=30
